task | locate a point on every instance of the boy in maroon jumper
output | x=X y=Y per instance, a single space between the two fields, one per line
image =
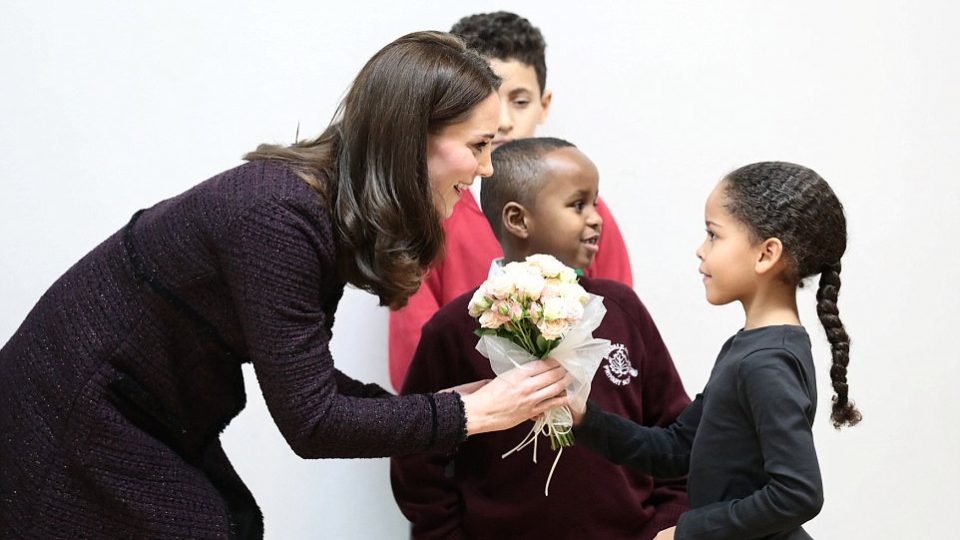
x=542 y=199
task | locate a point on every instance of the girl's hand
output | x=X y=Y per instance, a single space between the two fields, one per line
x=578 y=411
x=516 y=395
x=666 y=534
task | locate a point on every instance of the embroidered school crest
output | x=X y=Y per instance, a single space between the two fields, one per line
x=618 y=367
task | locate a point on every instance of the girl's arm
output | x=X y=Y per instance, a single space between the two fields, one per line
x=772 y=390
x=663 y=452
x=664 y=399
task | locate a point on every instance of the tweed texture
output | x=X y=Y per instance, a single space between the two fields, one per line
x=116 y=387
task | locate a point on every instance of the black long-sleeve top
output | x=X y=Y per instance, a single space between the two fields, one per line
x=745 y=441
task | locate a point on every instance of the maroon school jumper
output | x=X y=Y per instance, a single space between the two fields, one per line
x=115 y=389
x=484 y=496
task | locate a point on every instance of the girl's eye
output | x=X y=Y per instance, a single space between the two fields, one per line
x=521 y=103
x=711 y=235
x=578 y=206
x=480 y=146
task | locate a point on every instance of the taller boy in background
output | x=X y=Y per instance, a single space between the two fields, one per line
x=516 y=50
x=541 y=199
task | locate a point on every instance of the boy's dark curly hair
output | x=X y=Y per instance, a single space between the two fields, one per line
x=794 y=204
x=505 y=36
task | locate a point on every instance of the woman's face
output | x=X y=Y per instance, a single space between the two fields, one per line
x=460 y=152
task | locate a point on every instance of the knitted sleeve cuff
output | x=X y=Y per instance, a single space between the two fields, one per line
x=450 y=420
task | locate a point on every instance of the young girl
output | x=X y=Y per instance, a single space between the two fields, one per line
x=746 y=442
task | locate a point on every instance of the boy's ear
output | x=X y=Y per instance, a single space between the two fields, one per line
x=769 y=255
x=514 y=217
x=545 y=100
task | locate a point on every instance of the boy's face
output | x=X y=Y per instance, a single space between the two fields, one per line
x=522 y=108
x=563 y=221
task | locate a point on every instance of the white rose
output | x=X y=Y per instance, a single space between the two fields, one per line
x=548 y=264
x=574 y=310
x=516 y=268
x=529 y=286
x=568 y=275
x=535 y=312
x=515 y=310
x=574 y=292
x=499 y=287
x=551 y=288
x=552 y=329
x=492 y=319
x=554 y=309
x=478 y=303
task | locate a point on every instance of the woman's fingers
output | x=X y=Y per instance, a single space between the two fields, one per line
x=515 y=396
x=467 y=388
x=552 y=392
x=548 y=404
x=539 y=374
x=549 y=377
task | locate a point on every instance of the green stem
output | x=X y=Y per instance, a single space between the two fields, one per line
x=558 y=440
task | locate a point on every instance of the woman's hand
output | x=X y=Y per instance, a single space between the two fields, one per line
x=467 y=388
x=516 y=395
x=666 y=534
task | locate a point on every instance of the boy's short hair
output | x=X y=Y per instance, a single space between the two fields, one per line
x=518 y=168
x=505 y=36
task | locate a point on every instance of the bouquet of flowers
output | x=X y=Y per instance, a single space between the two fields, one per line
x=535 y=309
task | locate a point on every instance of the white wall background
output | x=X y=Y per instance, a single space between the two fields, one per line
x=108 y=107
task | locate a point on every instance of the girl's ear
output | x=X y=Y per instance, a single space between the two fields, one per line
x=769 y=254
x=515 y=220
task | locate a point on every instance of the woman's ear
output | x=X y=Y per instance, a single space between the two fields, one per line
x=769 y=255
x=515 y=219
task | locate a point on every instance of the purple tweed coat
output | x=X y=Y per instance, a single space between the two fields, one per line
x=116 y=387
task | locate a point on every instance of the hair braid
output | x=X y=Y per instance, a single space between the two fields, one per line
x=844 y=412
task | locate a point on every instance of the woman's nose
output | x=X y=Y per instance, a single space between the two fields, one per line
x=485 y=165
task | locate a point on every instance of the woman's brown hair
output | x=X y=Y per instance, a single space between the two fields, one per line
x=370 y=164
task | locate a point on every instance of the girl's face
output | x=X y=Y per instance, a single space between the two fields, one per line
x=727 y=256
x=459 y=152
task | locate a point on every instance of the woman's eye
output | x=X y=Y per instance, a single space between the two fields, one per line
x=711 y=235
x=480 y=146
